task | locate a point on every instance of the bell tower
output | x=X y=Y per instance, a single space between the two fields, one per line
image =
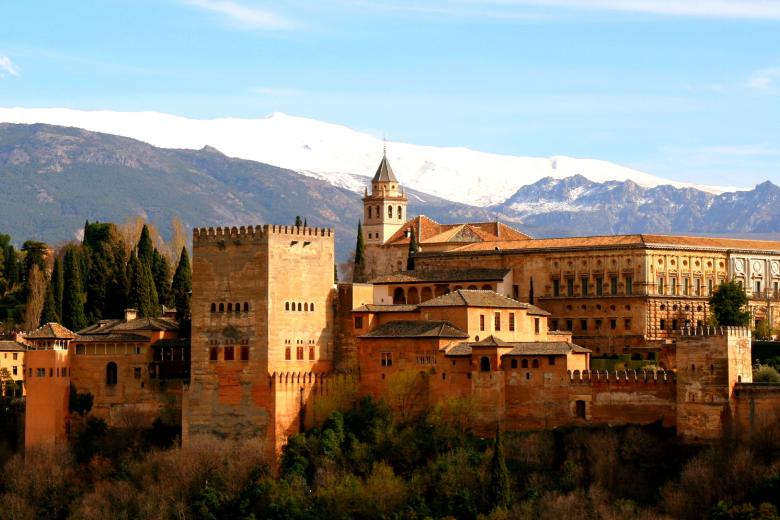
x=384 y=210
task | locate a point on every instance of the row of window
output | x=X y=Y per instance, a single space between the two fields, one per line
x=41 y=372
x=230 y=307
x=584 y=324
x=429 y=358
x=676 y=323
x=299 y=352
x=758 y=287
x=229 y=353
x=585 y=286
x=497 y=321
x=300 y=307
x=378 y=212
x=101 y=349
x=683 y=288
x=15 y=355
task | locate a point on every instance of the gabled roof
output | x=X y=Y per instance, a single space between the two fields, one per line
x=11 y=346
x=427 y=231
x=384 y=173
x=152 y=324
x=525 y=348
x=113 y=337
x=51 y=331
x=370 y=307
x=416 y=329
x=490 y=341
x=443 y=275
x=471 y=298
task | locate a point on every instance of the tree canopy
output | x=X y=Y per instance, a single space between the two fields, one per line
x=728 y=305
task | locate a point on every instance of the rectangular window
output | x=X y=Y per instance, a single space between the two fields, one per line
x=570 y=325
x=511 y=321
x=584 y=285
x=41 y=372
x=553 y=324
x=137 y=372
x=311 y=353
x=287 y=354
x=697 y=286
x=556 y=287
x=15 y=356
x=583 y=324
x=674 y=324
x=673 y=285
x=570 y=287
x=29 y=372
x=244 y=353
x=661 y=289
x=775 y=288
x=627 y=324
x=598 y=324
x=599 y=286
x=81 y=350
x=629 y=285
x=613 y=324
x=497 y=321
x=537 y=325
x=758 y=287
x=14 y=370
x=230 y=354
x=358 y=322
x=51 y=372
x=662 y=324
x=516 y=292
x=709 y=287
x=299 y=353
x=551 y=360
x=686 y=283
x=481 y=322
x=387 y=359
x=613 y=286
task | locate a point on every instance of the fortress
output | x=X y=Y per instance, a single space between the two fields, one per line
x=487 y=315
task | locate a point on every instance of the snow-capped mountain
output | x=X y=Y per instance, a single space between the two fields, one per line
x=342 y=156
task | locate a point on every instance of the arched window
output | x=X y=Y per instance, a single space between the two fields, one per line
x=293 y=306
x=524 y=363
x=473 y=287
x=400 y=213
x=238 y=307
x=311 y=306
x=306 y=307
x=287 y=306
x=535 y=363
x=213 y=307
x=378 y=213
x=484 y=364
x=230 y=307
x=487 y=288
x=413 y=296
x=246 y=306
x=389 y=211
x=426 y=294
x=369 y=212
x=311 y=353
x=221 y=307
x=514 y=363
x=111 y=373
x=299 y=306
x=398 y=296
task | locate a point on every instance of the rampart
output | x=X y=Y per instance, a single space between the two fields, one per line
x=206 y=234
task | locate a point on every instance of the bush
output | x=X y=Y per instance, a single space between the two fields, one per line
x=765 y=374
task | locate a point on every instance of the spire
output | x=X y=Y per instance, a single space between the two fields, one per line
x=384 y=173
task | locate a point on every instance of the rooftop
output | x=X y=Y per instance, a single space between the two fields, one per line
x=11 y=346
x=427 y=231
x=443 y=275
x=51 y=331
x=471 y=298
x=153 y=324
x=417 y=329
x=384 y=173
x=525 y=348
x=112 y=337
x=370 y=307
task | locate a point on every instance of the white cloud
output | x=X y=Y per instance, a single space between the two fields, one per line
x=8 y=67
x=764 y=79
x=247 y=17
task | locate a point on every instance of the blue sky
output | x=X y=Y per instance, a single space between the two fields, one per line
x=686 y=89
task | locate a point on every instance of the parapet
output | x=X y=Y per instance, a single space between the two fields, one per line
x=738 y=332
x=209 y=234
x=621 y=376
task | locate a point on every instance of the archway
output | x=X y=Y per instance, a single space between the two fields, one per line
x=426 y=294
x=413 y=296
x=398 y=296
x=484 y=364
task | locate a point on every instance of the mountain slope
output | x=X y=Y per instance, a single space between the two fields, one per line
x=340 y=155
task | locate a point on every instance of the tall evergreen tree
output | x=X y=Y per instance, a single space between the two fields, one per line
x=500 y=486
x=11 y=266
x=49 y=313
x=359 y=271
x=305 y=223
x=73 y=299
x=162 y=279
x=298 y=221
x=143 y=295
x=145 y=247
x=412 y=251
x=58 y=286
x=182 y=286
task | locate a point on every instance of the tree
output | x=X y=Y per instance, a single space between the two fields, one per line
x=162 y=278
x=36 y=296
x=305 y=223
x=298 y=221
x=58 y=286
x=145 y=247
x=49 y=313
x=358 y=273
x=35 y=254
x=728 y=304
x=143 y=295
x=182 y=286
x=500 y=485
x=412 y=251
x=73 y=298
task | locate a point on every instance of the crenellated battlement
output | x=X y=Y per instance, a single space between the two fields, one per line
x=739 y=332
x=209 y=234
x=622 y=377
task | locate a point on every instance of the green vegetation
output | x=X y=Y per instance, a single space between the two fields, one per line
x=728 y=305
x=765 y=374
x=359 y=269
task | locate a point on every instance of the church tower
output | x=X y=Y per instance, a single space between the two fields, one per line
x=384 y=210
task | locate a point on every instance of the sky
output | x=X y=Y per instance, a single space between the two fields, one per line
x=685 y=89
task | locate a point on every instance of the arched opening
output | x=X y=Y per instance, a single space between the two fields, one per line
x=299 y=306
x=230 y=307
x=473 y=287
x=398 y=296
x=484 y=364
x=535 y=363
x=579 y=409
x=524 y=363
x=457 y=288
x=426 y=294
x=413 y=296
x=487 y=288
x=287 y=306
x=389 y=211
x=311 y=307
x=111 y=373
x=213 y=307
x=369 y=212
x=514 y=363
x=246 y=306
x=306 y=307
x=441 y=290
x=400 y=213
x=221 y=307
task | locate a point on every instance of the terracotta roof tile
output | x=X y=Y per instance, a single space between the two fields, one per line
x=370 y=307
x=155 y=324
x=444 y=275
x=11 y=346
x=112 y=337
x=51 y=331
x=416 y=329
x=471 y=298
x=525 y=348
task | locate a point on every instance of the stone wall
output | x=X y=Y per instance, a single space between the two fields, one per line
x=48 y=394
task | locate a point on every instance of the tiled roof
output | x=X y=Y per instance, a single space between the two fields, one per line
x=112 y=337
x=155 y=324
x=369 y=307
x=178 y=342
x=470 y=298
x=461 y=349
x=444 y=275
x=11 y=346
x=545 y=348
x=428 y=231
x=384 y=173
x=491 y=341
x=51 y=331
x=416 y=329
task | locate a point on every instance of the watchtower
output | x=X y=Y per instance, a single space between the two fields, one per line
x=384 y=210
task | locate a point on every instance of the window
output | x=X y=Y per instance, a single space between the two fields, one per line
x=311 y=307
x=230 y=307
x=661 y=285
x=758 y=287
x=627 y=324
x=697 y=287
x=369 y=213
x=111 y=373
x=524 y=363
x=244 y=353
x=358 y=322
x=570 y=325
x=221 y=307
x=516 y=292
x=299 y=353
x=535 y=363
x=570 y=287
x=15 y=356
x=40 y=372
x=775 y=288
x=81 y=350
x=246 y=306
x=484 y=364
x=674 y=324
x=14 y=370
x=306 y=307
x=673 y=285
x=400 y=214
x=584 y=285
x=213 y=307
x=386 y=359
x=230 y=354
x=553 y=324
x=686 y=289
x=389 y=211
x=613 y=286
x=511 y=321
x=629 y=285
x=537 y=325
x=497 y=320
x=662 y=324
x=287 y=354
x=709 y=287
x=311 y=353
x=137 y=373
x=613 y=324
x=598 y=324
x=551 y=360
x=481 y=322
x=599 y=286
x=579 y=409
x=299 y=307
x=556 y=287
x=584 y=325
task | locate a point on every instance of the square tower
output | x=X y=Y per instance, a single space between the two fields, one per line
x=262 y=304
x=384 y=210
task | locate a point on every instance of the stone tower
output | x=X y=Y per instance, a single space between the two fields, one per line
x=384 y=210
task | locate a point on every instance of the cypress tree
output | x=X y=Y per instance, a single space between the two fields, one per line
x=49 y=313
x=182 y=286
x=500 y=485
x=412 y=251
x=305 y=224
x=162 y=277
x=72 y=299
x=58 y=286
x=11 y=267
x=298 y=221
x=143 y=295
x=145 y=247
x=359 y=271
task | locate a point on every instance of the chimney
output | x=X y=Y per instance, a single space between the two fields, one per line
x=130 y=314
